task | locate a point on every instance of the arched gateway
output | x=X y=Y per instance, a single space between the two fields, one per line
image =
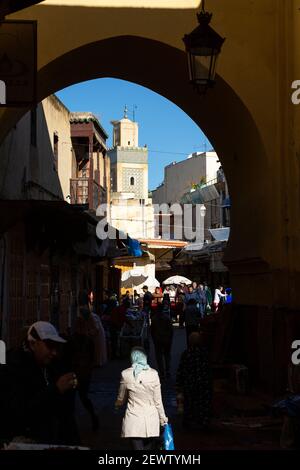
x=248 y=117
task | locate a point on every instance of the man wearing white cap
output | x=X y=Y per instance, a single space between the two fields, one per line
x=43 y=341
x=41 y=398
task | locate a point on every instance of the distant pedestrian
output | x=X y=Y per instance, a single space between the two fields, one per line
x=162 y=335
x=148 y=298
x=184 y=287
x=194 y=286
x=166 y=305
x=219 y=298
x=83 y=343
x=157 y=299
x=180 y=310
x=191 y=294
x=117 y=320
x=101 y=349
x=208 y=298
x=202 y=301
x=135 y=297
x=100 y=346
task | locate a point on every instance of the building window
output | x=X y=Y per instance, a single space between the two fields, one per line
x=128 y=142
x=33 y=126
x=132 y=181
x=55 y=150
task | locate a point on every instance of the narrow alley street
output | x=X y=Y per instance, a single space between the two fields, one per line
x=239 y=422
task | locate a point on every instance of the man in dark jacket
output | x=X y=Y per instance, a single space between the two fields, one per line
x=202 y=300
x=148 y=297
x=191 y=294
x=39 y=397
x=162 y=335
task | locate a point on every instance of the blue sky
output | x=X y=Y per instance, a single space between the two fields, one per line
x=168 y=132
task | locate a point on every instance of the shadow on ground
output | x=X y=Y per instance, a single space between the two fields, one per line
x=239 y=422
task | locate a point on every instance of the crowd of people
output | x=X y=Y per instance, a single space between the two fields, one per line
x=40 y=381
x=187 y=305
x=44 y=374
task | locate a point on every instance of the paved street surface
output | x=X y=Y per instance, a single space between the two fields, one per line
x=239 y=422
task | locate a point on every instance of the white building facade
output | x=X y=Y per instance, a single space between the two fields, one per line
x=180 y=177
x=198 y=184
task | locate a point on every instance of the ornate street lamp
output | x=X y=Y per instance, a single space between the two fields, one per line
x=203 y=46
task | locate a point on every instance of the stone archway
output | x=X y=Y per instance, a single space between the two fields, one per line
x=142 y=42
x=221 y=114
x=230 y=127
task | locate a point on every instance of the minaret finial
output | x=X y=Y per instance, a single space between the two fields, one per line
x=125 y=112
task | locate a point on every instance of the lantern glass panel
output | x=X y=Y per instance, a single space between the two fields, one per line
x=202 y=69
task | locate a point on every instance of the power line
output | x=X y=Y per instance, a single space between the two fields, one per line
x=169 y=152
x=155 y=225
x=182 y=204
x=182 y=153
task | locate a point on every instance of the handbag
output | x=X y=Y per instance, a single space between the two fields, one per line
x=168 y=439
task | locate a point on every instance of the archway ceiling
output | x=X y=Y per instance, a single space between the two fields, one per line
x=243 y=62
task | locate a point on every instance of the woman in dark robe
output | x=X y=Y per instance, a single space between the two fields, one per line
x=194 y=385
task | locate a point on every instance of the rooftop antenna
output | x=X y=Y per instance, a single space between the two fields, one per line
x=125 y=112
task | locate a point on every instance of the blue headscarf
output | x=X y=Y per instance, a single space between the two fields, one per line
x=138 y=361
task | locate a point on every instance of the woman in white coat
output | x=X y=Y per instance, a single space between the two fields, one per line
x=140 y=387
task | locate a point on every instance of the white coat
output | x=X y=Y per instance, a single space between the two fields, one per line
x=145 y=411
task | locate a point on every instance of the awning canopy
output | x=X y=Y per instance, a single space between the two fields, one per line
x=177 y=280
x=40 y=211
x=201 y=196
x=132 y=278
x=60 y=225
x=203 y=250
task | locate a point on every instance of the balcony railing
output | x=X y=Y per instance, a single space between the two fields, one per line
x=86 y=191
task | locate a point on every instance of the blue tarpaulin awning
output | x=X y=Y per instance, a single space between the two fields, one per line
x=133 y=246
